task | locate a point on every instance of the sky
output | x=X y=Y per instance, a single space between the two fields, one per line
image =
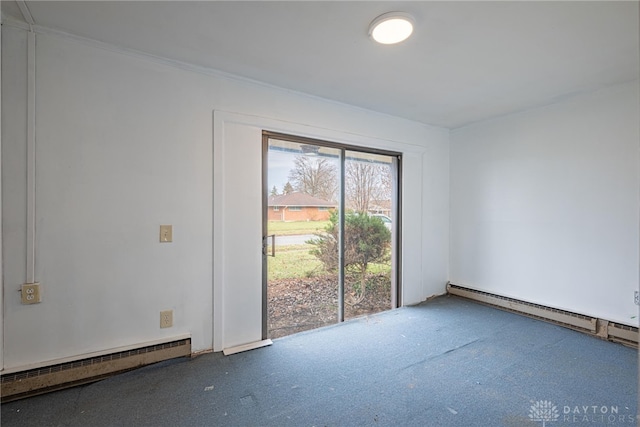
x=280 y=163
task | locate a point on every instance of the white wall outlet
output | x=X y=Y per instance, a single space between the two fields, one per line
x=166 y=319
x=636 y=297
x=30 y=293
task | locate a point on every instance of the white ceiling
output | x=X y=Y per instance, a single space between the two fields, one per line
x=467 y=61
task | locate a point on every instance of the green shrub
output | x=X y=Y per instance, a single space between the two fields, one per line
x=366 y=240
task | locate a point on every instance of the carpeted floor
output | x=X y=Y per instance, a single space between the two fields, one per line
x=448 y=362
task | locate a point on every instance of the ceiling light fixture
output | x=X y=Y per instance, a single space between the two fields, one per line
x=391 y=28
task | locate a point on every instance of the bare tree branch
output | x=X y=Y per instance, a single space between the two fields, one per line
x=366 y=182
x=315 y=176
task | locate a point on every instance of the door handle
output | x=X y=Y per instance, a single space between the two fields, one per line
x=265 y=245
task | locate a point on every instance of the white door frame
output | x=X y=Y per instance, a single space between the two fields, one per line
x=237 y=218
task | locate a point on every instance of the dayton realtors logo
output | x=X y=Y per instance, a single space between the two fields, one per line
x=602 y=414
x=546 y=411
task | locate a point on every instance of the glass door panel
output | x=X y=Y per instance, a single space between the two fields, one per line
x=368 y=233
x=303 y=194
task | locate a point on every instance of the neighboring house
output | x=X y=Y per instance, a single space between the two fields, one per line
x=299 y=207
x=382 y=207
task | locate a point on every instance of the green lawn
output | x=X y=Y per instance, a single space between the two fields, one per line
x=282 y=228
x=296 y=261
x=293 y=261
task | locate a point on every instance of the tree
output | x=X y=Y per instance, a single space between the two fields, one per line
x=274 y=191
x=288 y=188
x=366 y=240
x=315 y=176
x=364 y=182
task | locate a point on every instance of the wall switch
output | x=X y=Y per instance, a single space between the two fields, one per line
x=166 y=319
x=30 y=293
x=636 y=297
x=166 y=233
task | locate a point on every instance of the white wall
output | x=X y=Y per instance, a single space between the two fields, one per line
x=125 y=143
x=544 y=205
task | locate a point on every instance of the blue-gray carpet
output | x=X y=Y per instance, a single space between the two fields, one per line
x=447 y=362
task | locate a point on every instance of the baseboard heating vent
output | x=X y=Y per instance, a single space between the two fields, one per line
x=608 y=330
x=32 y=382
x=623 y=333
x=566 y=318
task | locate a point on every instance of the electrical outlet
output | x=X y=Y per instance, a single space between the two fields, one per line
x=636 y=297
x=166 y=233
x=30 y=293
x=166 y=319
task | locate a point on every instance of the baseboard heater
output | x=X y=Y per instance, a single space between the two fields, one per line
x=19 y=385
x=623 y=334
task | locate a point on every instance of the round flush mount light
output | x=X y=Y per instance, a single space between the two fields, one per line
x=391 y=28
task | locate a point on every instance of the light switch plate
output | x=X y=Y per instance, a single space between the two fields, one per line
x=30 y=293
x=166 y=233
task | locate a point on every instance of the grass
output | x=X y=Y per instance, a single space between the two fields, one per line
x=379 y=268
x=282 y=228
x=293 y=261
x=296 y=261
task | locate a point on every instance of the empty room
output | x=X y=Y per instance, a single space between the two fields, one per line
x=319 y=213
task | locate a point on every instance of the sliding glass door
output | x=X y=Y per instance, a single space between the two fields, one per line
x=330 y=233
